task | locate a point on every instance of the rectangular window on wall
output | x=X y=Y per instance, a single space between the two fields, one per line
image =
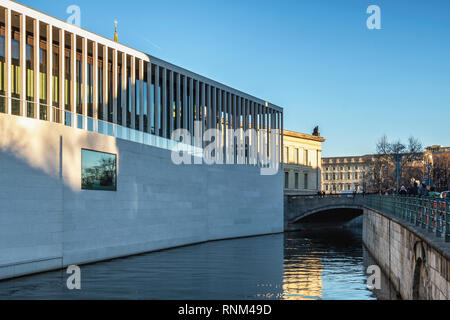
x=90 y=92
x=295 y=160
x=306 y=157
x=100 y=92
x=110 y=93
x=98 y=171
x=15 y=77
x=119 y=94
x=296 y=181
x=79 y=95
x=67 y=82
x=55 y=80
x=43 y=84
x=137 y=102
x=29 y=96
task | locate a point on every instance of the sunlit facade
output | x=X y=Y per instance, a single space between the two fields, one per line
x=302 y=163
x=64 y=74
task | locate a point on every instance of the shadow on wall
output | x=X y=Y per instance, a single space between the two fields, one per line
x=37 y=142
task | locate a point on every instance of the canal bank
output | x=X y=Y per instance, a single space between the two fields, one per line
x=417 y=264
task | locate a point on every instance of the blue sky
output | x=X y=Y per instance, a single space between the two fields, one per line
x=317 y=59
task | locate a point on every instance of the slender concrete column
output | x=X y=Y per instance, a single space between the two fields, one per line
x=214 y=109
x=218 y=122
x=191 y=105
x=8 y=53
x=141 y=96
x=115 y=82
x=203 y=108
x=225 y=126
x=105 y=83
x=171 y=104
x=23 y=67
x=133 y=91
x=186 y=114
x=178 y=102
x=234 y=101
x=209 y=106
x=62 y=74
x=95 y=81
x=158 y=109
x=150 y=110
x=50 y=72
x=84 y=86
x=124 y=89
x=164 y=107
x=73 y=74
x=36 y=48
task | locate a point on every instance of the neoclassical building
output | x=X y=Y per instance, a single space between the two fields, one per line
x=302 y=163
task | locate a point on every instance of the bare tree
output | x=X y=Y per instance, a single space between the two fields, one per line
x=382 y=175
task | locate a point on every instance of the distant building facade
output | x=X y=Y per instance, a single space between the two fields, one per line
x=355 y=173
x=302 y=163
x=345 y=174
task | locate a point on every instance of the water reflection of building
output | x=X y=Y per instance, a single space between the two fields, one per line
x=303 y=278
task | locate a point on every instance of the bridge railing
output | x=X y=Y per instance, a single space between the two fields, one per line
x=430 y=214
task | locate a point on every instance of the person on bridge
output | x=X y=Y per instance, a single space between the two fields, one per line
x=403 y=191
x=414 y=190
x=423 y=191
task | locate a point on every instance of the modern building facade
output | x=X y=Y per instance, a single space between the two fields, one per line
x=64 y=74
x=86 y=150
x=302 y=163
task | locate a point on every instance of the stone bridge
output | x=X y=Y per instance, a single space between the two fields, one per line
x=321 y=209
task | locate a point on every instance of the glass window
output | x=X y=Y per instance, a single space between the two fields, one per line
x=296 y=181
x=98 y=171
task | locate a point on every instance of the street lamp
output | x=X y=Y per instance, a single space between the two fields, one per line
x=429 y=163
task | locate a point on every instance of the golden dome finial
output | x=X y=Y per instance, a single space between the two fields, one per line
x=116 y=36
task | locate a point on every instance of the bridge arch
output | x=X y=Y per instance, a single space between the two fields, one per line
x=310 y=209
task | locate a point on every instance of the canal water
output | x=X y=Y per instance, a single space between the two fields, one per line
x=328 y=263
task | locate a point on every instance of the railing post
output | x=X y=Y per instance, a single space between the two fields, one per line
x=430 y=216
x=447 y=221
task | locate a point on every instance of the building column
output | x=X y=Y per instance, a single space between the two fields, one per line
x=214 y=109
x=171 y=104
x=225 y=126
x=105 y=84
x=8 y=53
x=141 y=96
x=133 y=91
x=84 y=86
x=50 y=72
x=282 y=138
x=115 y=81
x=124 y=89
x=23 y=65
x=95 y=83
x=158 y=109
x=36 y=37
x=164 y=108
x=234 y=101
x=178 y=102
x=151 y=111
x=62 y=75
x=203 y=110
x=191 y=105
x=186 y=115
x=73 y=74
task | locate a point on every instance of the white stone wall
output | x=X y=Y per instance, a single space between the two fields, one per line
x=397 y=249
x=47 y=221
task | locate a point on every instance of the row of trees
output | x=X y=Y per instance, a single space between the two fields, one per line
x=397 y=164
